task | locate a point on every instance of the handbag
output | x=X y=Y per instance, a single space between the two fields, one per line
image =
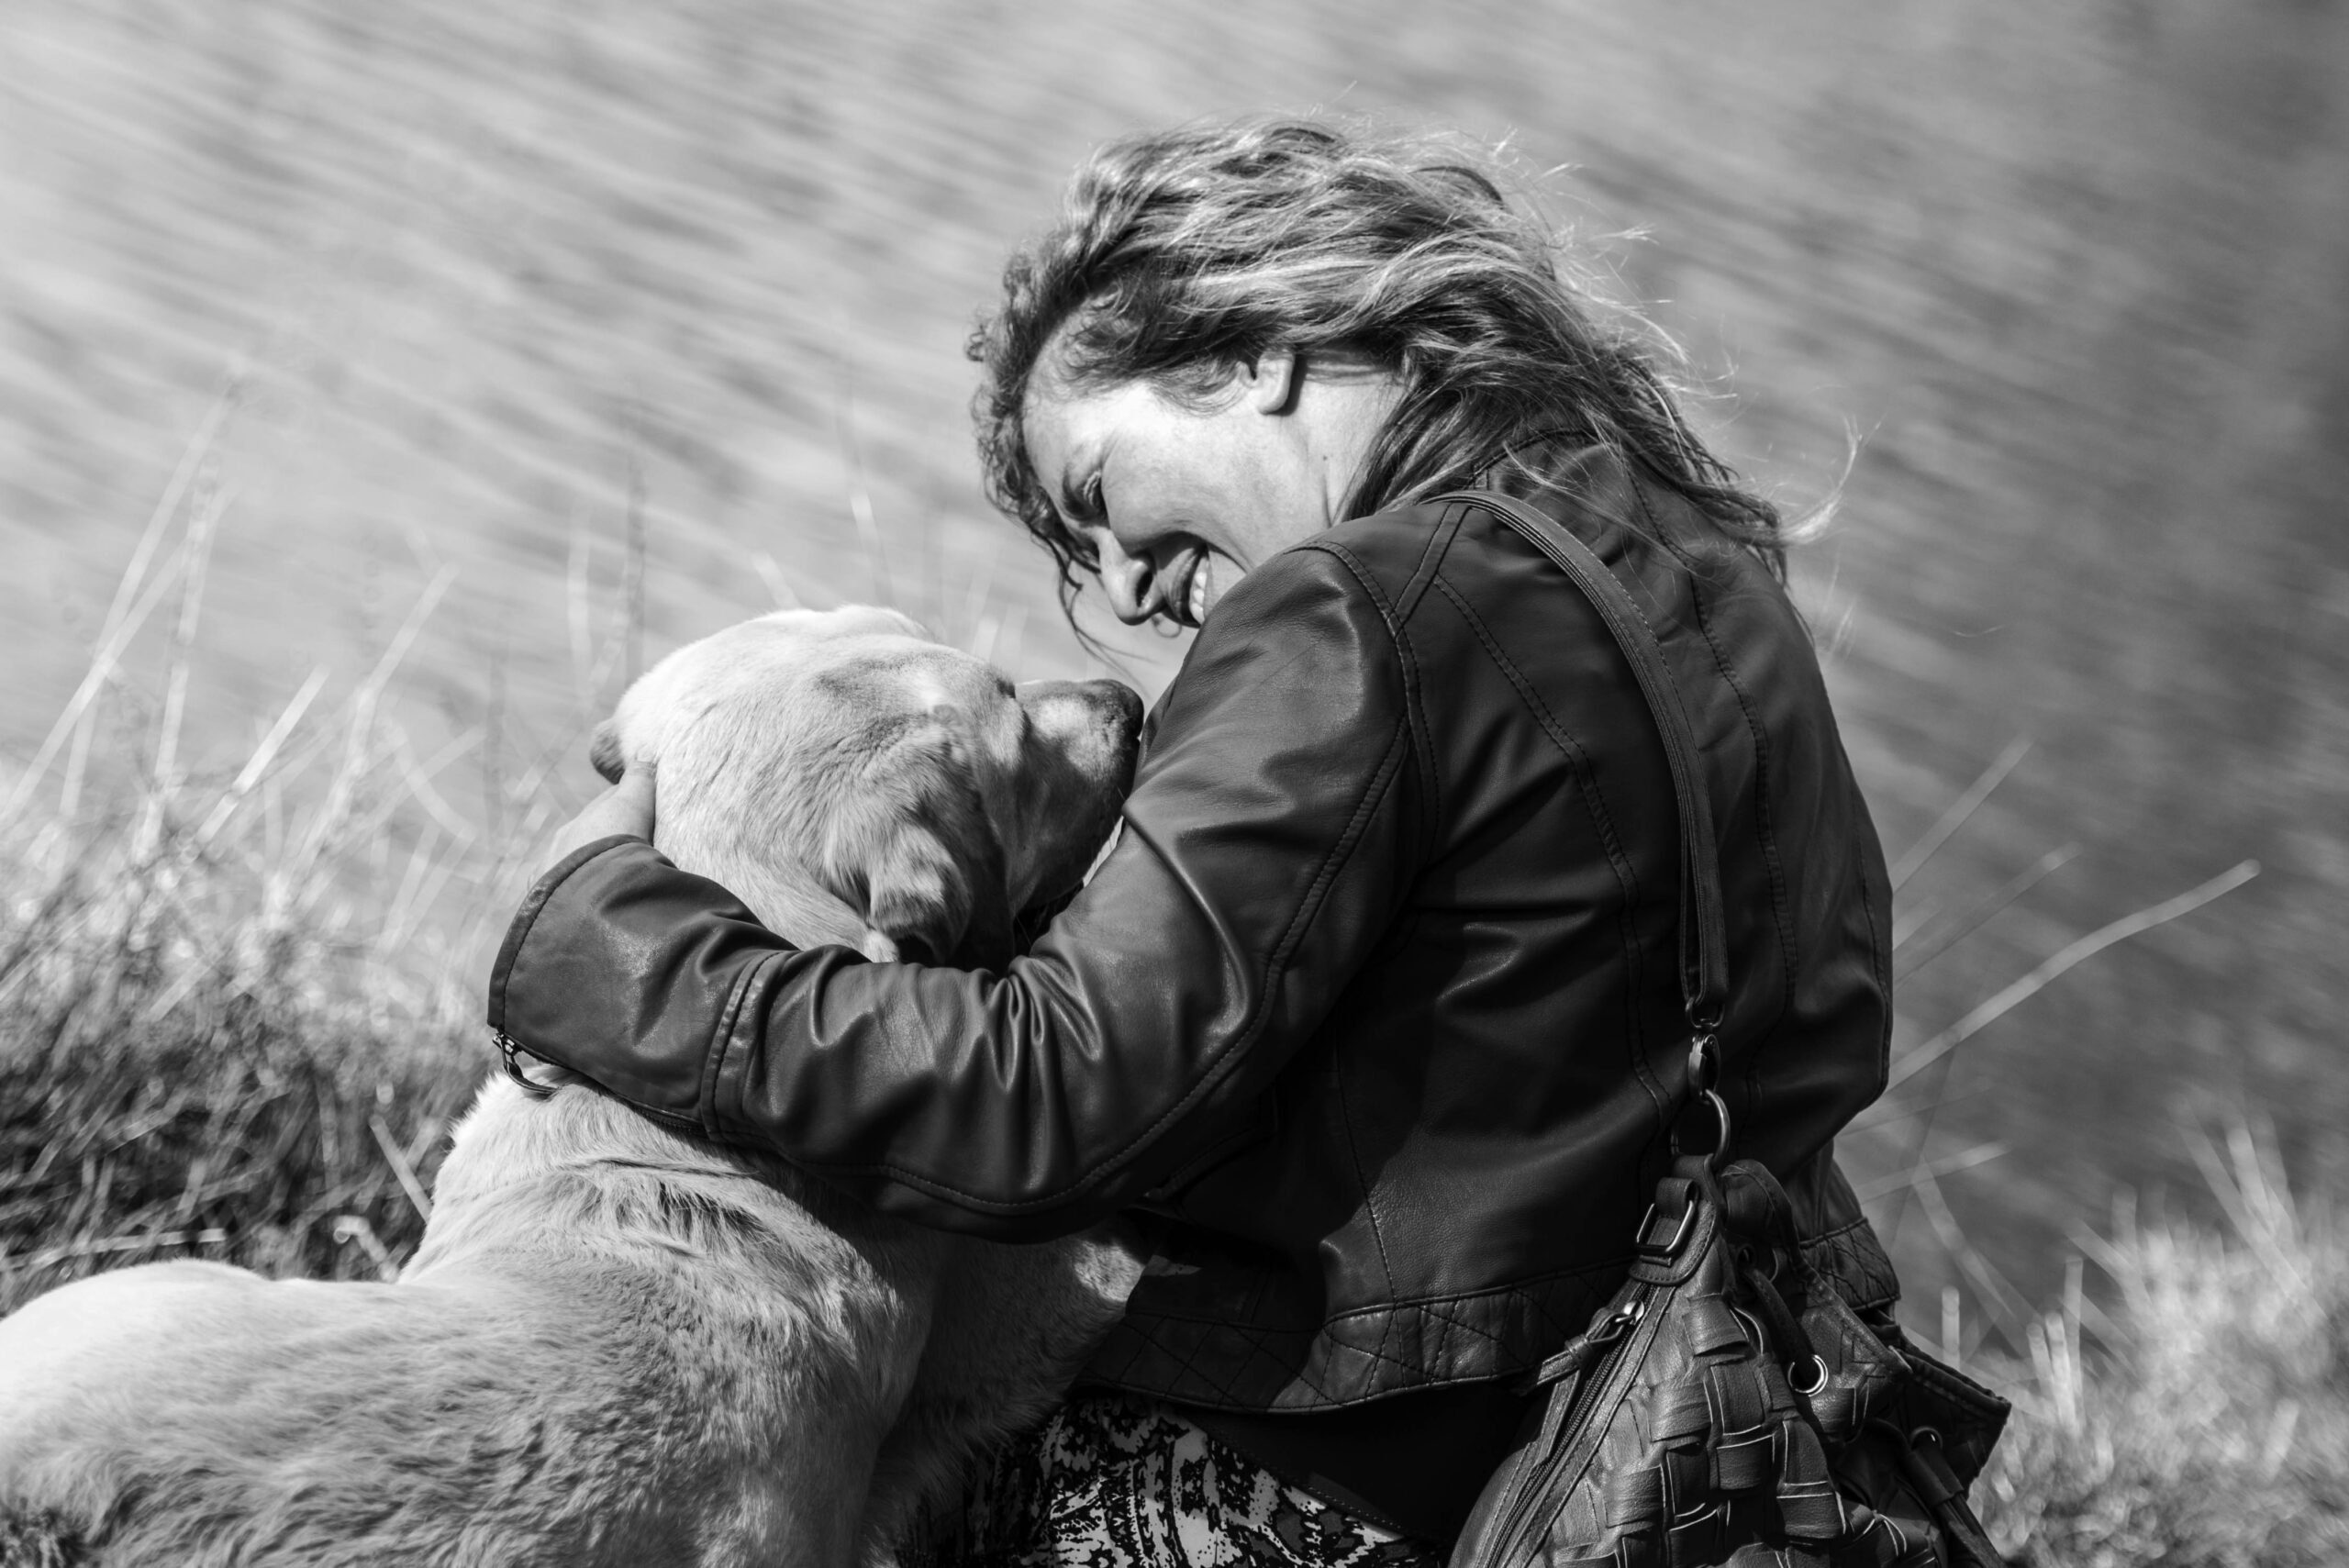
x=1727 y=1406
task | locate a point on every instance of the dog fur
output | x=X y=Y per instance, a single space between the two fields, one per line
x=617 y=1345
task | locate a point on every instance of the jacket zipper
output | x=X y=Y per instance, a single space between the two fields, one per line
x=512 y=1051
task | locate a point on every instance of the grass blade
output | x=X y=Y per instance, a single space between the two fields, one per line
x=406 y=1172
x=203 y=527
x=1962 y=808
x=264 y=755
x=199 y=447
x=779 y=587
x=1974 y=919
x=343 y=788
x=1933 y=1170
x=860 y=507
x=2038 y=979
x=101 y=671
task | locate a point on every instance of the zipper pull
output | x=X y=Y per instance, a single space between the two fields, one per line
x=512 y=1051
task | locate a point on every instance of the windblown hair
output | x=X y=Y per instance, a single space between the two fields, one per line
x=1183 y=253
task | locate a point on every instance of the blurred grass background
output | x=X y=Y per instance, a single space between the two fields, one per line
x=587 y=329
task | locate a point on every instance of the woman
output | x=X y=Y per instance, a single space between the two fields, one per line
x=1372 y=1016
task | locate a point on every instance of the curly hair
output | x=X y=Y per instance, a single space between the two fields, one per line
x=1184 y=252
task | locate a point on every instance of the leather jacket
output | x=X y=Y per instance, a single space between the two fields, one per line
x=1372 y=1015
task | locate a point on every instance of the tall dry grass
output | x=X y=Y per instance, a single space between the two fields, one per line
x=2201 y=1415
x=222 y=1044
x=184 y=1073
x=2185 y=1401
x=235 y=1018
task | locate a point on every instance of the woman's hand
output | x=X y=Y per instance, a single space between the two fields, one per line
x=626 y=808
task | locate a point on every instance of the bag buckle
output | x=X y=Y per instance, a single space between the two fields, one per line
x=1648 y=1248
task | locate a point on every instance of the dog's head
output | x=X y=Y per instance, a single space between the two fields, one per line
x=855 y=781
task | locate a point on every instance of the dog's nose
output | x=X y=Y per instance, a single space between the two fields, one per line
x=1122 y=703
x=1113 y=705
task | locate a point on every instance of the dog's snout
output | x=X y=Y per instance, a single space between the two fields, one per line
x=1083 y=738
x=1126 y=704
x=1120 y=709
x=1110 y=709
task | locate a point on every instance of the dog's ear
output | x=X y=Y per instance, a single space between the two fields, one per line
x=933 y=873
x=604 y=752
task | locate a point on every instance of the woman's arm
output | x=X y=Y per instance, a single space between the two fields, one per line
x=1264 y=854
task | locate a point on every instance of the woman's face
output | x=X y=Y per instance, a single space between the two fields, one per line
x=1176 y=502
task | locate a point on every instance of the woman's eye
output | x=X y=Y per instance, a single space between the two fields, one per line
x=1081 y=506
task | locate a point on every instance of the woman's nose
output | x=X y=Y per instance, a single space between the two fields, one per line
x=1130 y=581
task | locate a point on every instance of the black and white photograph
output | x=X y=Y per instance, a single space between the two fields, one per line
x=1154 y=783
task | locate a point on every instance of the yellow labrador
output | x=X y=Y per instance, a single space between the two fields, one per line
x=616 y=1345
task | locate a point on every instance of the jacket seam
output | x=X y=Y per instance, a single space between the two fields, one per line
x=1528 y=1293
x=1398 y=618
x=729 y=1033
x=1849 y=1229
x=1408 y=659
x=1525 y=1288
x=1879 y=959
x=1595 y=802
x=1434 y=553
x=1362 y=1177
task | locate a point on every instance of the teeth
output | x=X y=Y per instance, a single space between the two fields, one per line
x=1197 y=605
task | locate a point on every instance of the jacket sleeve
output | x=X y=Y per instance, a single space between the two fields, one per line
x=1266 y=847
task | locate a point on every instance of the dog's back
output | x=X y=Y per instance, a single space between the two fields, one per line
x=613 y=1348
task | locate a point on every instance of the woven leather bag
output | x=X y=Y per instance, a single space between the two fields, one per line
x=1728 y=1406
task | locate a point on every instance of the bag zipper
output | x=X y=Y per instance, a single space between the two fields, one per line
x=1599 y=1389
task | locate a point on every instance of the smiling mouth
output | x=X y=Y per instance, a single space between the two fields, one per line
x=1187 y=606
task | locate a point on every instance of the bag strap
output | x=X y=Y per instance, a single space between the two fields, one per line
x=1703 y=942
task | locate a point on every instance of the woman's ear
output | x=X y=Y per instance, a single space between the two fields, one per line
x=1272 y=383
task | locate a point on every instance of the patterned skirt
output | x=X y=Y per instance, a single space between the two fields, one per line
x=1117 y=1482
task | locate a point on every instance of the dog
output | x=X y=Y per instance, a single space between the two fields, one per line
x=617 y=1345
